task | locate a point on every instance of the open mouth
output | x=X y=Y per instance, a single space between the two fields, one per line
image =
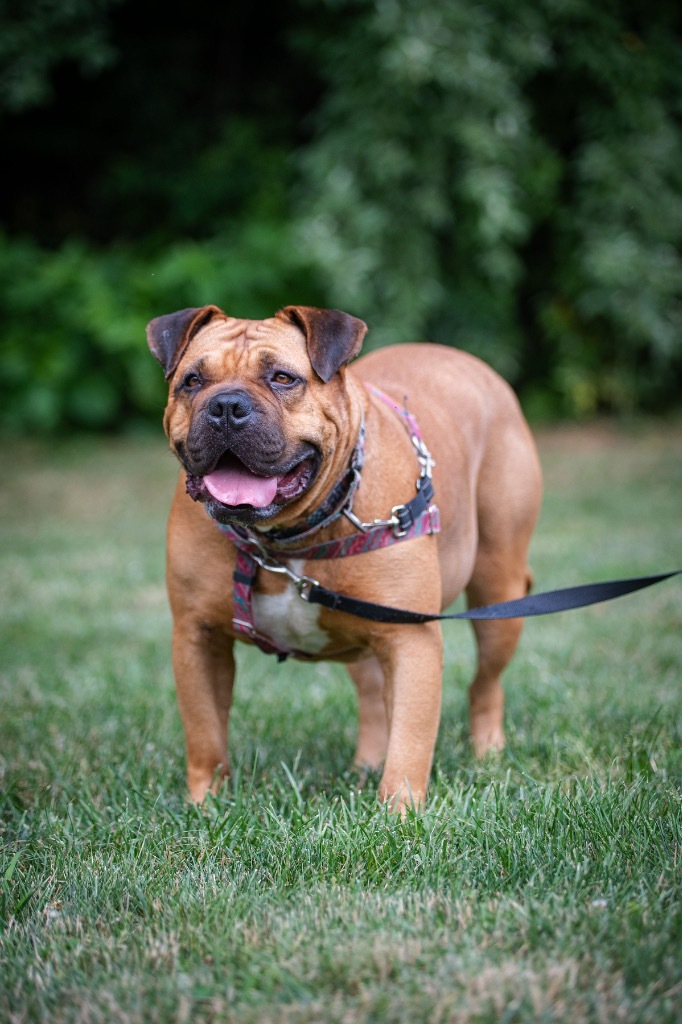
x=233 y=484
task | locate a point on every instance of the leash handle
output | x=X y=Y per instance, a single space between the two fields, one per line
x=534 y=604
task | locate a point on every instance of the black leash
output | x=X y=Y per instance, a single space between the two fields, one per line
x=523 y=607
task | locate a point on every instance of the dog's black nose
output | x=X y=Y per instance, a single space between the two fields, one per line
x=230 y=409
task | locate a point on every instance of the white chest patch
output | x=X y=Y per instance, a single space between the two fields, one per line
x=288 y=620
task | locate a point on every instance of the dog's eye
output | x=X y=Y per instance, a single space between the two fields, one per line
x=283 y=378
x=192 y=380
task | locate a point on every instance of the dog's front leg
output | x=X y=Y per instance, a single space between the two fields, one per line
x=203 y=662
x=413 y=667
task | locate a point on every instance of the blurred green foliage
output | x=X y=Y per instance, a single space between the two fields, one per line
x=73 y=352
x=509 y=181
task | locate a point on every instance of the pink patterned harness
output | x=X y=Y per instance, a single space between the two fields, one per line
x=413 y=519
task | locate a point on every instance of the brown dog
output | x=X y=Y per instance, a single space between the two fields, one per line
x=266 y=419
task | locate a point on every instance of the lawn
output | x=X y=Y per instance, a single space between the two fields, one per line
x=543 y=885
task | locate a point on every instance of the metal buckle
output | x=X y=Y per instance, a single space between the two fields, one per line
x=399 y=528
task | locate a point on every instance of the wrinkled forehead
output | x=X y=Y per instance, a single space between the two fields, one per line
x=237 y=343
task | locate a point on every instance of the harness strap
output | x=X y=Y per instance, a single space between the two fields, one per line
x=420 y=520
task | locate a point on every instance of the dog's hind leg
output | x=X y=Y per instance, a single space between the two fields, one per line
x=496 y=642
x=508 y=502
x=372 y=717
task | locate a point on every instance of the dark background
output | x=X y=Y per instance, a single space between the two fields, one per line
x=506 y=181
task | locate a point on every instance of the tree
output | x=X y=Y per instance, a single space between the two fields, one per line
x=510 y=179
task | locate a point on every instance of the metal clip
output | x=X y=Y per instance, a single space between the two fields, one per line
x=266 y=561
x=424 y=456
x=303 y=584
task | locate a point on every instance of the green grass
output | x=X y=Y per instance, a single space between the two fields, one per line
x=542 y=885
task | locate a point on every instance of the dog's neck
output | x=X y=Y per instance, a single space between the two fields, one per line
x=338 y=501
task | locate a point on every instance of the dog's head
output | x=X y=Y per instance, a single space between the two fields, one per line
x=257 y=409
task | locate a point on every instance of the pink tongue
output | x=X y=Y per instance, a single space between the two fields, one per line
x=239 y=486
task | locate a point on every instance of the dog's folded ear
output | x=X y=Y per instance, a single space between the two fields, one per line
x=168 y=336
x=333 y=338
